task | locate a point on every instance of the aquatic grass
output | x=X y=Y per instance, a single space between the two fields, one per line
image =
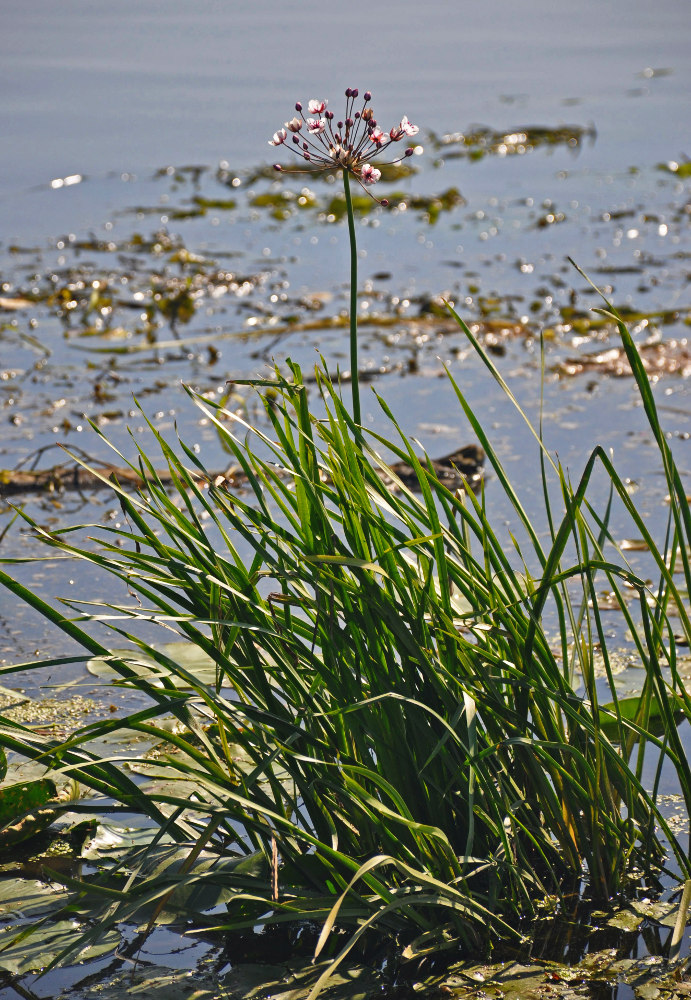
x=390 y=740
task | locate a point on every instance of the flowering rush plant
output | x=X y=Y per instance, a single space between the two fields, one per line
x=349 y=144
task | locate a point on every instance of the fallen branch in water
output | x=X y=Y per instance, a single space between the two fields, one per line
x=464 y=463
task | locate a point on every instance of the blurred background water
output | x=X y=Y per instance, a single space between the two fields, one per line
x=90 y=87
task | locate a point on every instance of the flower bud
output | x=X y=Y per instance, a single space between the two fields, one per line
x=368 y=96
x=298 y=106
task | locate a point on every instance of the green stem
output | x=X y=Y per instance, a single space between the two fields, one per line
x=354 y=371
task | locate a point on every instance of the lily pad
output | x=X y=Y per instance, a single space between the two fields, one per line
x=21 y=810
x=629 y=709
x=29 y=898
x=34 y=952
x=661 y=913
x=625 y=920
x=112 y=839
x=154 y=984
x=208 y=883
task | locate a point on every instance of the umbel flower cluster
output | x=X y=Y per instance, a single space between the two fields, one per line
x=349 y=144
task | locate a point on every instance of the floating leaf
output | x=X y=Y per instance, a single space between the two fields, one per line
x=630 y=709
x=21 y=815
x=625 y=920
x=34 y=952
x=29 y=898
x=112 y=839
x=661 y=913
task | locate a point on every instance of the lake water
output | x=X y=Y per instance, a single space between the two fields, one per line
x=90 y=87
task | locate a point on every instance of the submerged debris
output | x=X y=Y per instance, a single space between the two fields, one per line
x=463 y=465
x=664 y=357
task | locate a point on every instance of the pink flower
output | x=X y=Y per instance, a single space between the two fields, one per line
x=347 y=144
x=405 y=128
x=408 y=127
x=369 y=174
x=378 y=137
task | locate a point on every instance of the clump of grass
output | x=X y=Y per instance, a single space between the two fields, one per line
x=391 y=744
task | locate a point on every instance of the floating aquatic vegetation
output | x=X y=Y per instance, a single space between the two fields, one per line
x=682 y=169
x=663 y=357
x=480 y=140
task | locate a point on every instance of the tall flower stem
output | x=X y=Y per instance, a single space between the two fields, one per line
x=354 y=370
x=349 y=145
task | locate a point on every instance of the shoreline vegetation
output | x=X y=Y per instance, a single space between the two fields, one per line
x=389 y=746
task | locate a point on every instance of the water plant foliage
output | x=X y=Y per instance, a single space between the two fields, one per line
x=384 y=740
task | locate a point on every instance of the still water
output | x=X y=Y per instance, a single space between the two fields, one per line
x=92 y=88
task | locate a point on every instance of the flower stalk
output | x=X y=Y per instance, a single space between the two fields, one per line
x=354 y=363
x=347 y=145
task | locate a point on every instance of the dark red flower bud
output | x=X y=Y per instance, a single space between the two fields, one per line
x=384 y=202
x=298 y=106
x=354 y=92
x=368 y=96
x=409 y=151
x=277 y=166
x=349 y=92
